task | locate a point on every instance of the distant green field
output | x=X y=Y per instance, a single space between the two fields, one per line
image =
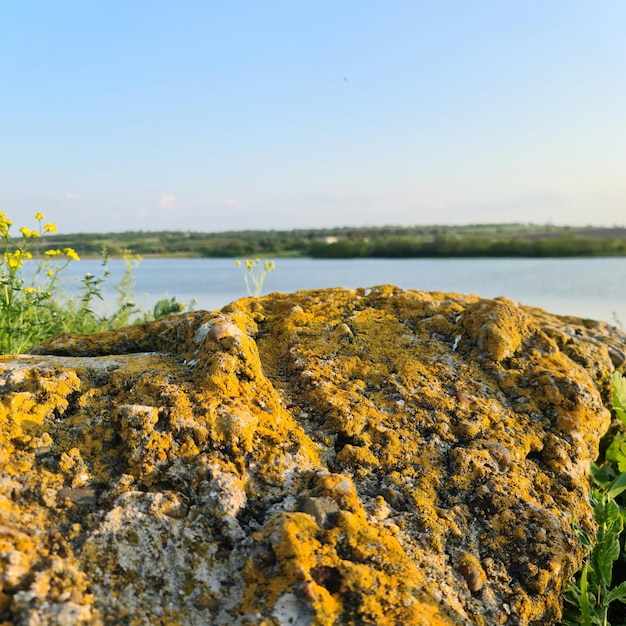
x=480 y=240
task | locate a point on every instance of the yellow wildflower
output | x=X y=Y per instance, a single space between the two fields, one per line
x=70 y=253
x=5 y=224
x=29 y=289
x=39 y=216
x=129 y=256
x=49 y=273
x=50 y=228
x=13 y=261
x=53 y=252
x=27 y=233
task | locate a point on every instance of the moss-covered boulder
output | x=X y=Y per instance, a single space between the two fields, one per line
x=329 y=457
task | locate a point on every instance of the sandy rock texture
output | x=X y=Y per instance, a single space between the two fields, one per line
x=375 y=456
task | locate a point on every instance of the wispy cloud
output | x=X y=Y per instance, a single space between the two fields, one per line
x=167 y=201
x=71 y=196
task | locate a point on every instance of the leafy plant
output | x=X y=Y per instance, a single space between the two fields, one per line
x=601 y=582
x=254 y=274
x=32 y=310
x=24 y=303
x=81 y=314
x=619 y=397
x=167 y=306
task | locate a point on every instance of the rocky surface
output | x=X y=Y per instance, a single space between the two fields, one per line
x=373 y=457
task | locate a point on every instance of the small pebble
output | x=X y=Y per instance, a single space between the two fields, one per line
x=221 y=330
x=85 y=496
x=461 y=397
x=343 y=331
x=323 y=509
x=472 y=577
x=500 y=454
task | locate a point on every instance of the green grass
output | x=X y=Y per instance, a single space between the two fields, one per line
x=596 y=595
x=36 y=309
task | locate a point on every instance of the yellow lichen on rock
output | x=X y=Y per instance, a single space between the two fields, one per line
x=375 y=456
x=348 y=571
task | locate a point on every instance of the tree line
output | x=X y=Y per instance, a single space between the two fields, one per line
x=482 y=240
x=445 y=246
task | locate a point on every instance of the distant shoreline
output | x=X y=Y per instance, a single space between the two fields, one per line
x=474 y=241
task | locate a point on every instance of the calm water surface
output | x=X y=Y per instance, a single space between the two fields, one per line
x=593 y=288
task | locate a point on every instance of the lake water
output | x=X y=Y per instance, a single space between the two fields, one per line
x=591 y=287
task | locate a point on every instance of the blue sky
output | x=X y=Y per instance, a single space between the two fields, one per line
x=227 y=115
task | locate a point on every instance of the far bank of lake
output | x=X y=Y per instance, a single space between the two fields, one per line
x=586 y=287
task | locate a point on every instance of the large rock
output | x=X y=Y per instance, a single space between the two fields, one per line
x=331 y=457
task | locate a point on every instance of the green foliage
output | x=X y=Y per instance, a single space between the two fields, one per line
x=597 y=593
x=34 y=310
x=485 y=240
x=25 y=305
x=254 y=274
x=167 y=307
x=619 y=397
x=81 y=314
x=464 y=246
